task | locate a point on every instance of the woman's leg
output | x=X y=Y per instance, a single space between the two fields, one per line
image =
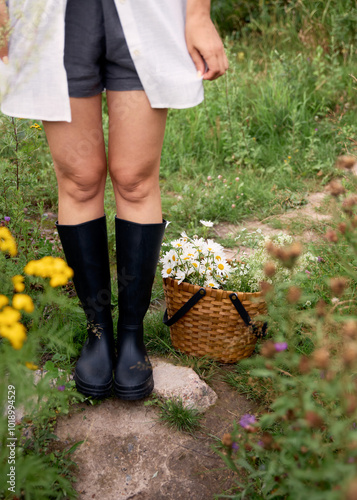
x=136 y=134
x=78 y=153
x=80 y=162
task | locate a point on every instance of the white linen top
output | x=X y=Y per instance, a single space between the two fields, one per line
x=34 y=83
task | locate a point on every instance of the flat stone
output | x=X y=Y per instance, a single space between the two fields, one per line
x=179 y=382
x=125 y=453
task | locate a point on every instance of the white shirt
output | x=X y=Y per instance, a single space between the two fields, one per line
x=34 y=83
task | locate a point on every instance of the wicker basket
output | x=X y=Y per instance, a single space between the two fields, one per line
x=212 y=327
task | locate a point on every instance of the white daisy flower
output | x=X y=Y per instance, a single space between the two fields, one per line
x=223 y=268
x=184 y=236
x=207 y=223
x=170 y=257
x=167 y=270
x=178 y=243
x=212 y=283
x=213 y=247
x=180 y=275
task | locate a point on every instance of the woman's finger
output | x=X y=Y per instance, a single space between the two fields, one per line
x=198 y=60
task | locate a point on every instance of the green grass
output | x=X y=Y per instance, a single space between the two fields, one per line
x=176 y=415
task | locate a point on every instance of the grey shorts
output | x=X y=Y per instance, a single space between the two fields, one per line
x=96 y=56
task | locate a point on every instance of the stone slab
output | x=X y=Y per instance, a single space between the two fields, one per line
x=173 y=382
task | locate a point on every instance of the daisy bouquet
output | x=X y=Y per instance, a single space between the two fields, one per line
x=202 y=262
x=195 y=260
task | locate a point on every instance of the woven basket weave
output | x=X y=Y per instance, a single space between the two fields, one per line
x=213 y=327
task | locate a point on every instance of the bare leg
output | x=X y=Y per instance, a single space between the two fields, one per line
x=78 y=153
x=80 y=163
x=136 y=134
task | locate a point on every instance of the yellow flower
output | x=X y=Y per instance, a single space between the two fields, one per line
x=23 y=301
x=58 y=280
x=16 y=334
x=50 y=267
x=18 y=282
x=37 y=126
x=9 y=316
x=7 y=242
x=31 y=366
x=240 y=56
x=3 y=301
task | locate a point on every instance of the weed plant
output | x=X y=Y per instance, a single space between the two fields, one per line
x=303 y=444
x=30 y=408
x=176 y=415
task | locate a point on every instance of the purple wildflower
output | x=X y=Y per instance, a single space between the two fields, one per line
x=7 y=219
x=319 y=259
x=260 y=443
x=61 y=387
x=235 y=446
x=307 y=272
x=280 y=346
x=247 y=420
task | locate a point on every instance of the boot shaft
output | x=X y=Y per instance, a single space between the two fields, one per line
x=86 y=249
x=138 y=250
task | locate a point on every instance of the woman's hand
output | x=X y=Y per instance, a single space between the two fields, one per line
x=4 y=32
x=203 y=42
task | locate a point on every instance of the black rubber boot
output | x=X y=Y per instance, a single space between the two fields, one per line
x=138 y=250
x=86 y=249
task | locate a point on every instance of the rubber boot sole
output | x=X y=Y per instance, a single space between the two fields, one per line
x=97 y=392
x=133 y=393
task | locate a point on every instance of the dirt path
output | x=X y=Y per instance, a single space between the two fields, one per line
x=305 y=222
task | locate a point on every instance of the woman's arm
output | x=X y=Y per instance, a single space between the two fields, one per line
x=4 y=32
x=203 y=41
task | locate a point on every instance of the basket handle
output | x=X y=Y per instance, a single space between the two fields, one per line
x=235 y=301
x=184 y=309
x=246 y=318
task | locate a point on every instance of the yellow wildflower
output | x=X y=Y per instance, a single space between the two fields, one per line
x=3 y=301
x=23 y=301
x=58 y=280
x=9 y=316
x=50 y=267
x=18 y=282
x=15 y=333
x=31 y=366
x=37 y=126
x=7 y=242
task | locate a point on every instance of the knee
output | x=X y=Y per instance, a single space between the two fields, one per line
x=134 y=187
x=82 y=185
